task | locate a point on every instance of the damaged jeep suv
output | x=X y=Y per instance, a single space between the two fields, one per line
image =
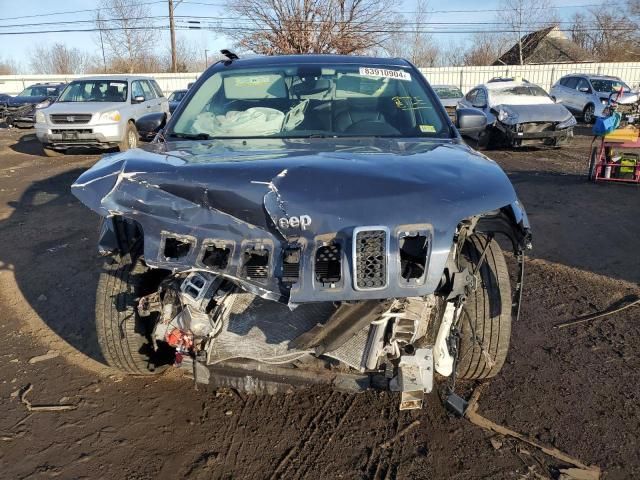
x=308 y=219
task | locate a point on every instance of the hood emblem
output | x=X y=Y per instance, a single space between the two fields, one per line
x=302 y=222
x=71 y=119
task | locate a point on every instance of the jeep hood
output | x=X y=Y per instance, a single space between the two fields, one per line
x=238 y=191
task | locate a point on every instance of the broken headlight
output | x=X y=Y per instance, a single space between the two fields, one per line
x=44 y=104
x=570 y=122
x=39 y=117
x=507 y=116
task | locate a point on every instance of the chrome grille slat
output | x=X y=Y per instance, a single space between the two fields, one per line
x=70 y=118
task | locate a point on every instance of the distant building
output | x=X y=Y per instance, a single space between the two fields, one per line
x=549 y=45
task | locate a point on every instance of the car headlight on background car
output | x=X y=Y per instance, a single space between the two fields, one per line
x=111 y=116
x=39 y=117
x=44 y=104
x=604 y=101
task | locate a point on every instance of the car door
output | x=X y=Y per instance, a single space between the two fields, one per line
x=137 y=93
x=163 y=102
x=569 y=93
x=582 y=94
x=152 y=103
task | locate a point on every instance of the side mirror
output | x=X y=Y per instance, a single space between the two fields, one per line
x=150 y=124
x=584 y=89
x=470 y=120
x=138 y=99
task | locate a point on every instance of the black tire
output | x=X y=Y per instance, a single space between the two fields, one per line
x=487 y=309
x=591 y=175
x=50 y=152
x=130 y=139
x=589 y=114
x=123 y=336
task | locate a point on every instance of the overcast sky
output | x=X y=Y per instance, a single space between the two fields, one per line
x=18 y=47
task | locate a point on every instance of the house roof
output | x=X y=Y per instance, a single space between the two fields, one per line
x=549 y=45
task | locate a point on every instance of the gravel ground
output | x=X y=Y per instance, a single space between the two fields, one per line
x=575 y=389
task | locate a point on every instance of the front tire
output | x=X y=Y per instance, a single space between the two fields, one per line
x=130 y=139
x=486 y=312
x=589 y=114
x=123 y=336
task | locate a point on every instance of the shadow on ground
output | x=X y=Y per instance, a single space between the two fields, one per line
x=49 y=242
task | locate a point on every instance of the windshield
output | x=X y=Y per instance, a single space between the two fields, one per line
x=177 y=95
x=95 y=91
x=519 y=95
x=609 y=86
x=39 y=91
x=448 y=93
x=311 y=100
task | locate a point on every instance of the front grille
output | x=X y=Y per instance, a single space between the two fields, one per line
x=255 y=263
x=70 y=118
x=536 y=127
x=329 y=264
x=370 y=258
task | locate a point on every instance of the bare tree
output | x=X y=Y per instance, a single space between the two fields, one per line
x=484 y=49
x=311 y=26
x=188 y=57
x=410 y=40
x=8 y=67
x=58 y=59
x=608 y=35
x=127 y=35
x=525 y=16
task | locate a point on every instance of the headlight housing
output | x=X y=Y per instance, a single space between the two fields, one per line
x=40 y=117
x=44 y=104
x=110 y=116
x=505 y=116
x=570 y=122
x=604 y=101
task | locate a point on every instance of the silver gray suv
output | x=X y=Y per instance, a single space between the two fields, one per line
x=588 y=95
x=98 y=112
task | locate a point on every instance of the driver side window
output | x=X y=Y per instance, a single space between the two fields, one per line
x=481 y=99
x=136 y=90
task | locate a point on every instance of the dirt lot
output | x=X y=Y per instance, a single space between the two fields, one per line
x=576 y=389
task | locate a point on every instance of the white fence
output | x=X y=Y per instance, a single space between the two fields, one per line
x=14 y=84
x=464 y=77
x=544 y=75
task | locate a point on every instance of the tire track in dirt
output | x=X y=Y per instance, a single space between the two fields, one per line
x=317 y=448
x=312 y=427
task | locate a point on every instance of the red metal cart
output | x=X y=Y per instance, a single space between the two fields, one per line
x=617 y=158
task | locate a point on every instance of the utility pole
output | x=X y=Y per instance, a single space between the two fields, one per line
x=206 y=59
x=104 y=59
x=174 y=60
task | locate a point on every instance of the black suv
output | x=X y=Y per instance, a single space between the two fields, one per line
x=20 y=110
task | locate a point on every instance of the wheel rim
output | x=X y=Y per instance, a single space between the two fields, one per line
x=131 y=139
x=588 y=114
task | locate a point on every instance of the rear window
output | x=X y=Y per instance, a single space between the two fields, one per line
x=448 y=93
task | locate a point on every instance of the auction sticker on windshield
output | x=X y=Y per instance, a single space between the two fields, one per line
x=384 y=73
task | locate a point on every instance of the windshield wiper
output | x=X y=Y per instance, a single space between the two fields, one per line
x=190 y=136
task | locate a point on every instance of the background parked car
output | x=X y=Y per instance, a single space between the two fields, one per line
x=20 y=110
x=449 y=96
x=98 y=112
x=588 y=95
x=519 y=113
x=175 y=98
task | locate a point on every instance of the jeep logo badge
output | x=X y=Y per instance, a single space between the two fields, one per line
x=303 y=221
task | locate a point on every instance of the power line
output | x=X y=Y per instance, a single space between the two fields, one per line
x=211 y=4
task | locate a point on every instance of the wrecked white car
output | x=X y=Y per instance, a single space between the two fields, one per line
x=308 y=219
x=519 y=113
